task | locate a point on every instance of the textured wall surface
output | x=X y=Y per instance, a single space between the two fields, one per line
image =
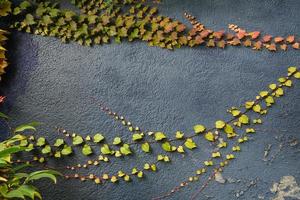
x=164 y=90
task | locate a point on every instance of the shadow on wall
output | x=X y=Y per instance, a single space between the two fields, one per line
x=21 y=50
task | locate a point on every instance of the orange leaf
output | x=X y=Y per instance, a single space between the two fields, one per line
x=192 y=32
x=296 y=45
x=247 y=43
x=229 y=36
x=278 y=39
x=180 y=27
x=198 y=39
x=290 y=38
x=204 y=33
x=257 y=45
x=234 y=42
x=271 y=47
x=168 y=28
x=283 y=47
x=218 y=34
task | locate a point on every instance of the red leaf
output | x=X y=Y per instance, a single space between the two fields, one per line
x=278 y=39
x=267 y=38
x=241 y=34
x=2 y=99
x=254 y=35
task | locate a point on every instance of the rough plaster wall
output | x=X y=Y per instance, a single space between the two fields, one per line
x=162 y=90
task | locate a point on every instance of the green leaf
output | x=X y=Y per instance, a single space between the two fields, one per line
x=105 y=149
x=51 y=174
x=117 y=140
x=199 y=128
x=24 y=5
x=98 y=138
x=190 y=144
x=29 y=191
x=159 y=136
x=11 y=150
x=125 y=149
x=29 y=19
x=24 y=127
x=41 y=142
x=137 y=136
x=59 y=142
x=77 y=140
x=4 y=116
x=166 y=146
x=67 y=150
x=87 y=150
x=146 y=147
x=46 y=149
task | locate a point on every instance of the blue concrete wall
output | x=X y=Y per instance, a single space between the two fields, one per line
x=161 y=90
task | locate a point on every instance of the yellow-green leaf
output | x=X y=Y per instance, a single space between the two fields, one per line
x=210 y=136
x=220 y=124
x=199 y=128
x=146 y=147
x=190 y=144
x=159 y=136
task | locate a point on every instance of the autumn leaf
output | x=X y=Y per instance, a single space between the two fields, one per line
x=278 y=39
x=257 y=45
x=221 y=44
x=241 y=34
x=204 y=33
x=218 y=34
x=296 y=45
x=247 y=43
x=254 y=35
x=234 y=42
x=267 y=38
x=290 y=38
x=271 y=47
x=283 y=47
x=198 y=39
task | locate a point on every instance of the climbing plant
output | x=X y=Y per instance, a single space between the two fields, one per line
x=99 y=22
x=3 y=59
x=226 y=137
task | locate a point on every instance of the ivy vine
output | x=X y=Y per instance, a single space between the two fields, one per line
x=227 y=138
x=100 y=22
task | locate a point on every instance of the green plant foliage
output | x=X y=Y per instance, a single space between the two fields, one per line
x=15 y=183
x=3 y=59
